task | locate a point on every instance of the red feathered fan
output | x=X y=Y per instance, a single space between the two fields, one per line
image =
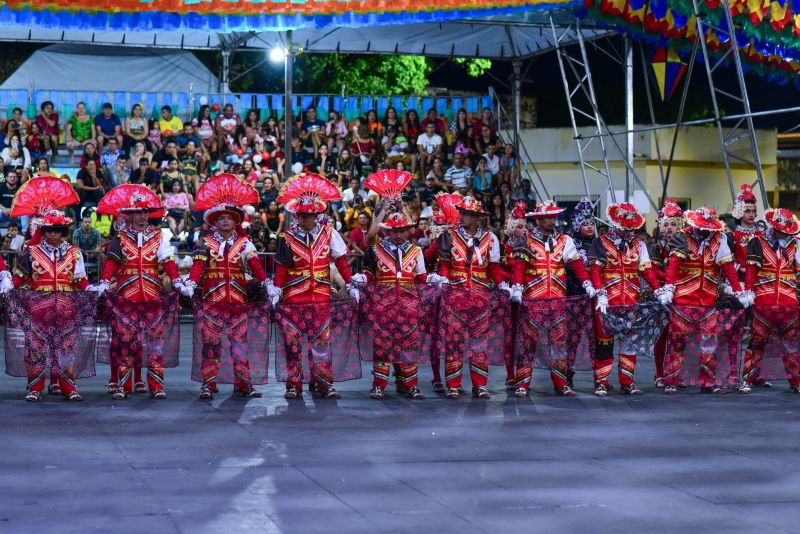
x=225 y=189
x=42 y=194
x=130 y=196
x=308 y=193
x=447 y=203
x=388 y=183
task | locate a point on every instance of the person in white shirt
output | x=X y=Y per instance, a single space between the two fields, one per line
x=430 y=145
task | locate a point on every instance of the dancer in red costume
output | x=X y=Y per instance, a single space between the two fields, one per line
x=670 y=220
x=133 y=257
x=617 y=259
x=393 y=267
x=773 y=261
x=469 y=258
x=219 y=267
x=516 y=231
x=698 y=253
x=539 y=273
x=745 y=212
x=303 y=277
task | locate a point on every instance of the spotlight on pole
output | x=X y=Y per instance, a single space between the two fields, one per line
x=277 y=54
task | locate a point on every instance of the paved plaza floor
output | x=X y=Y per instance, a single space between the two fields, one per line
x=545 y=464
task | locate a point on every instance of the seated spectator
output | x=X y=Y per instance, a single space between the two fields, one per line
x=36 y=142
x=110 y=155
x=458 y=177
x=428 y=194
x=87 y=238
x=154 y=135
x=8 y=189
x=90 y=154
x=358 y=235
x=249 y=172
x=486 y=119
x=509 y=165
x=16 y=154
x=252 y=126
x=136 y=128
x=43 y=167
x=335 y=132
x=102 y=223
x=268 y=191
x=138 y=151
x=273 y=218
x=374 y=126
x=391 y=120
x=344 y=168
x=161 y=158
x=355 y=190
x=144 y=175
x=430 y=146
x=482 y=178
x=312 y=131
x=497 y=214
x=352 y=214
x=11 y=129
x=80 y=131
x=108 y=126
x=397 y=149
x=23 y=124
x=464 y=143
x=485 y=139
x=47 y=120
x=169 y=125
x=225 y=124
x=299 y=156
x=437 y=170
x=525 y=192
x=439 y=126
x=177 y=202
x=183 y=138
x=459 y=124
x=118 y=174
x=169 y=175
x=412 y=129
x=492 y=163
x=204 y=128
x=15 y=236
x=323 y=164
x=90 y=185
x=364 y=150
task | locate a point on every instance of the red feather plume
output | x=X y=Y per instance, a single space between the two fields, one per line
x=121 y=197
x=225 y=189
x=447 y=203
x=312 y=186
x=388 y=183
x=43 y=194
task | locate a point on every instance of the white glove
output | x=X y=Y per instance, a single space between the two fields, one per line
x=6 y=284
x=727 y=289
x=99 y=288
x=745 y=298
x=438 y=280
x=602 y=303
x=359 y=278
x=664 y=294
x=516 y=293
x=274 y=293
x=355 y=294
x=589 y=288
x=187 y=288
x=504 y=287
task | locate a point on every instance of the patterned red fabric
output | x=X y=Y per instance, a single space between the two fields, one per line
x=47 y=330
x=317 y=340
x=133 y=331
x=231 y=343
x=397 y=324
x=772 y=351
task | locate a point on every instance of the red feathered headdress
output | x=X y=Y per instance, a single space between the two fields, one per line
x=130 y=198
x=308 y=193
x=42 y=195
x=224 y=193
x=388 y=183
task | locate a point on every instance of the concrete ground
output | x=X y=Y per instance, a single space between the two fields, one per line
x=621 y=464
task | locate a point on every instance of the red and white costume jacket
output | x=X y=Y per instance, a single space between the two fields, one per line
x=303 y=263
x=659 y=258
x=44 y=267
x=507 y=260
x=470 y=261
x=738 y=243
x=616 y=264
x=220 y=264
x=694 y=267
x=772 y=268
x=539 y=265
x=134 y=258
x=400 y=266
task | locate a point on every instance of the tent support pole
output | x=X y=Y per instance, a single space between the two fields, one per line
x=288 y=111
x=517 y=85
x=226 y=72
x=628 y=116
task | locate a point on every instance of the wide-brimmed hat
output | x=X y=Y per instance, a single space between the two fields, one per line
x=544 y=210
x=624 y=216
x=782 y=220
x=396 y=221
x=704 y=218
x=210 y=215
x=471 y=205
x=56 y=220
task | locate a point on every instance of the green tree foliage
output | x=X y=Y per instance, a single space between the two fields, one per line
x=376 y=74
x=475 y=67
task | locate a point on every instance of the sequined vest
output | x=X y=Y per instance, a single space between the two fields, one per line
x=387 y=270
x=698 y=276
x=776 y=282
x=223 y=279
x=309 y=274
x=137 y=279
x=545 y=273
x=48 y=274
x=620 y=274
x=474 y=273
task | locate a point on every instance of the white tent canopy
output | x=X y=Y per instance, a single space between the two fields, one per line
x=85 y=67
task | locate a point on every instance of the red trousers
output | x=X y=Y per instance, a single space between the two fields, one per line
x=212 y=327
x=64 y=378
x=681 y=325
x=407 y=376
x=559 y=364
x=145 y=348
x=604 y=358
x=466 y=330
x=784 y=323
x=50 y=354
x=297 y=326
